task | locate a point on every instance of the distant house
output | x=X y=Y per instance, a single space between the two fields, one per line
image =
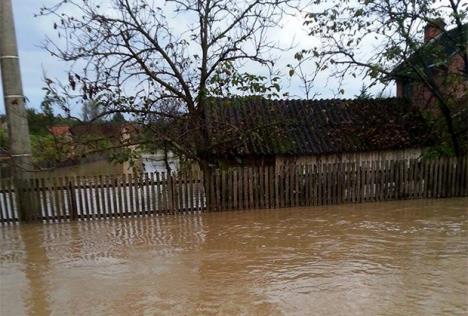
x=91 y=147
x=278 y=132
x=87 y=158
x=115 y=133
x=60 y=131
x=443 y=55
x=88 y=136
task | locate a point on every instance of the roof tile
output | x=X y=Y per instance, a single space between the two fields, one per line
x=273 y=127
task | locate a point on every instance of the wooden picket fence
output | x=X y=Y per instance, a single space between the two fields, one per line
x=77 y=198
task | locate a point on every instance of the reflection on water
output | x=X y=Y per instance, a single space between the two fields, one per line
x=395 y=258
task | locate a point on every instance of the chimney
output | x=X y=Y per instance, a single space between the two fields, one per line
x=433 y=28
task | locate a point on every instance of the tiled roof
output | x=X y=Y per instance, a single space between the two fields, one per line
x=298 y=127
x=106 y=129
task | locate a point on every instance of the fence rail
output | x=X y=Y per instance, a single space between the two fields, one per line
x=72 y=198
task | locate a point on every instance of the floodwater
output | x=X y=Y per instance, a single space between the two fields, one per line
x=393 y=258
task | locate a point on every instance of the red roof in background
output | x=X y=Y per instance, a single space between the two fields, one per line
x=106 y=129
x=59 y=130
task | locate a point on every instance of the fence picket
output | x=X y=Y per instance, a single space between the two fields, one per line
x=285 y=189
x=120 y=181
x=322 y=183
x=3 y=206
x=190 y=192
x=158 y=198
x=257 y=187
x=114 y=186
x=152 y=193
x=140 y=194
x=279 y=189
x=453 y=176
x=142 y=190
x=424 y=186
x=464 y=176
x=72 y=199
x=319 y=182
x=32 y=197
x=185 y=192
x=5 y=212
x=125 y=188
x=199 y=194
x=131 y=200
x=107 y=182
x=165 y=193
x=437 y=179
x=79 y=197
x=457 y=177
x=222 y=189
x=97 y=197
x=465 y=173
x=11 y=198
x=443 y=182
x=235 y=189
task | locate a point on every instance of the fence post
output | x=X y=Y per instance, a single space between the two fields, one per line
x=170 y=192
x=36 y=208
x=72 y=200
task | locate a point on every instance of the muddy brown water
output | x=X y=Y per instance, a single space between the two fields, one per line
x=393 y=258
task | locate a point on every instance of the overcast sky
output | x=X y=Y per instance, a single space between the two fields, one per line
x=35 y=61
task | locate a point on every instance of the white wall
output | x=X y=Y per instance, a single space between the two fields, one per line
x=155 y=162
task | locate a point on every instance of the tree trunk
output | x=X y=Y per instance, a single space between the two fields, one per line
x=209 y=174
x=166 y=160
x=450 y=128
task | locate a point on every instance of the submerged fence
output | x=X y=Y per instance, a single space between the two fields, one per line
x=71 y=198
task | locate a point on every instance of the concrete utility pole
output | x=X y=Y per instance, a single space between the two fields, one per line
x=18 y=129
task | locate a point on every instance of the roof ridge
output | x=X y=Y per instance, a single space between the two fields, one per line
x=302 y=100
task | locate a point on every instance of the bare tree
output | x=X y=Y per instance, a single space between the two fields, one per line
x=306 y=69
x=133 y=55
x=371 y=38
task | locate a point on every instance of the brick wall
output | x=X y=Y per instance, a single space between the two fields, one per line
x=424 y=98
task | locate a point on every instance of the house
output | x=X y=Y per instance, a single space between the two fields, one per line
x=160 y=161
x=90 y=148
x=115 y=133
x=279 y=132
x=253 y=131
x=442 y=54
